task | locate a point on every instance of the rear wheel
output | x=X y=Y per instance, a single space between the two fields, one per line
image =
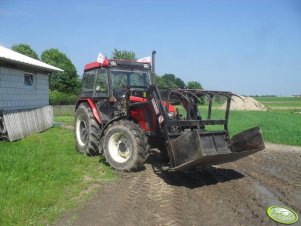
x=125 y=146
x=86 y=131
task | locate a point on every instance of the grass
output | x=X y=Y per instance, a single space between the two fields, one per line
x=281 y=127
x=277 y=127
x=281 y=103
x=63 y=110
x=281 y=124
x=68 y=120
x=42 y=176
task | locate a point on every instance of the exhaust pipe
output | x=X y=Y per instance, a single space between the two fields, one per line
x=153 y=67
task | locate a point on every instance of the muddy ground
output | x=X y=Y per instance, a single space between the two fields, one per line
x=235 y=193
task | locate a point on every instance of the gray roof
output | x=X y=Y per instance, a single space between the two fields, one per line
x=9 y=55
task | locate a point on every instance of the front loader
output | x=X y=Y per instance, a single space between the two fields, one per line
x=122 y=113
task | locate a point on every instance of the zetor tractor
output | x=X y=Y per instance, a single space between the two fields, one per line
x=122 y=113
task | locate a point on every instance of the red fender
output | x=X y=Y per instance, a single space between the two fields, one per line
x=92 y=106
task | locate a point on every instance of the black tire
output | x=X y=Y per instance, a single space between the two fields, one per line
x=125 y=146
x=87 y=131
x=2 y=127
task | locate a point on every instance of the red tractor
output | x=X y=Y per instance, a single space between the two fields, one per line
x=122 y=113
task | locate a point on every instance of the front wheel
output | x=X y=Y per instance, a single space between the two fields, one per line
x=125 y=146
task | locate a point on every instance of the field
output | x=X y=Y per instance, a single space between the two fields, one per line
x=43 y=175
x=281 y=103
x=280 y=124
x=236 y=193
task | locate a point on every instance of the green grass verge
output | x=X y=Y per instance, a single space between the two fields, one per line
x=63 y=110
x=42 y=176
x=68 y=120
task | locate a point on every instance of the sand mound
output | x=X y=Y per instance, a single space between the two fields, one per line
x=246 y=103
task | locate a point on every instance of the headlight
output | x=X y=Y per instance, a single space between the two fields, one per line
x=170 y=114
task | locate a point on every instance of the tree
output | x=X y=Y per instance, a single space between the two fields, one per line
x=169 y=81
x=67 y=81
x=194 y=85
x=180 y=83
x=123 y=55
x=159 y=81
x=25 y=50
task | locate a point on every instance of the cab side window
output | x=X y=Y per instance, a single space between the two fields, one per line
x=88 y=83
x=101 y=83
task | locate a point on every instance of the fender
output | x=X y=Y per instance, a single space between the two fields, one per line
x=110 y=122
x=92 y=106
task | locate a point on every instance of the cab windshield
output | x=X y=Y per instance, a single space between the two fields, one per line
x=131 y=78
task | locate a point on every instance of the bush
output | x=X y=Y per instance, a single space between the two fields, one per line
x=60 y=98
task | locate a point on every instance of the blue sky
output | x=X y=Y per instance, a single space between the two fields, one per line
x=245 y=46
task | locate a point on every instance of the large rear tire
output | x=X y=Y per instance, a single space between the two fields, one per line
x=125 y=146
x=87 y=131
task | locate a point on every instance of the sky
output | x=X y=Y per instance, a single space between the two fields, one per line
x=249 y=47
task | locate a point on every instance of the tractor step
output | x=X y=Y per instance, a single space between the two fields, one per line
x=191 y=149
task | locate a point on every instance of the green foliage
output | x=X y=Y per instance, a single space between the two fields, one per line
x=194 y=85
x=180 y=83
x=61 y=98
x=42 y=176
x=159 y=81
x=169 y=81
x=123 y=55
x=25 y=50
x=67 y=81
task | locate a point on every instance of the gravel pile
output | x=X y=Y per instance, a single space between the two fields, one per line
x=245 y=104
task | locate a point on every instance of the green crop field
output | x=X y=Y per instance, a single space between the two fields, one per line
x=281 y=103
x=42 y=176
x=277 y=127
x=281 y=127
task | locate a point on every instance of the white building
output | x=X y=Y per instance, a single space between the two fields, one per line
x=24 y=100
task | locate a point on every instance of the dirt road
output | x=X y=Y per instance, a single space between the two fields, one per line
x=235 y=193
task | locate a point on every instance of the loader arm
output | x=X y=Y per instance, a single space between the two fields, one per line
x=189 y=143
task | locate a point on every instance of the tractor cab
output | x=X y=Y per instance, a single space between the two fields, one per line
x=107 y=79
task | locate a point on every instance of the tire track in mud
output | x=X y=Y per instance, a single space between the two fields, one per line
x=232 y=194
x=128 y=201
x=240 y=197
x=275 y=176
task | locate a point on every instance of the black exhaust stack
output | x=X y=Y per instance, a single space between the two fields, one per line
x=153 y=67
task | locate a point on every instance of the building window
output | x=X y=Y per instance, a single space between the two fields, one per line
x=28 y=80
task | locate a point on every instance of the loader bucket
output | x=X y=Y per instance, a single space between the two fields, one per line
x=191 y=149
